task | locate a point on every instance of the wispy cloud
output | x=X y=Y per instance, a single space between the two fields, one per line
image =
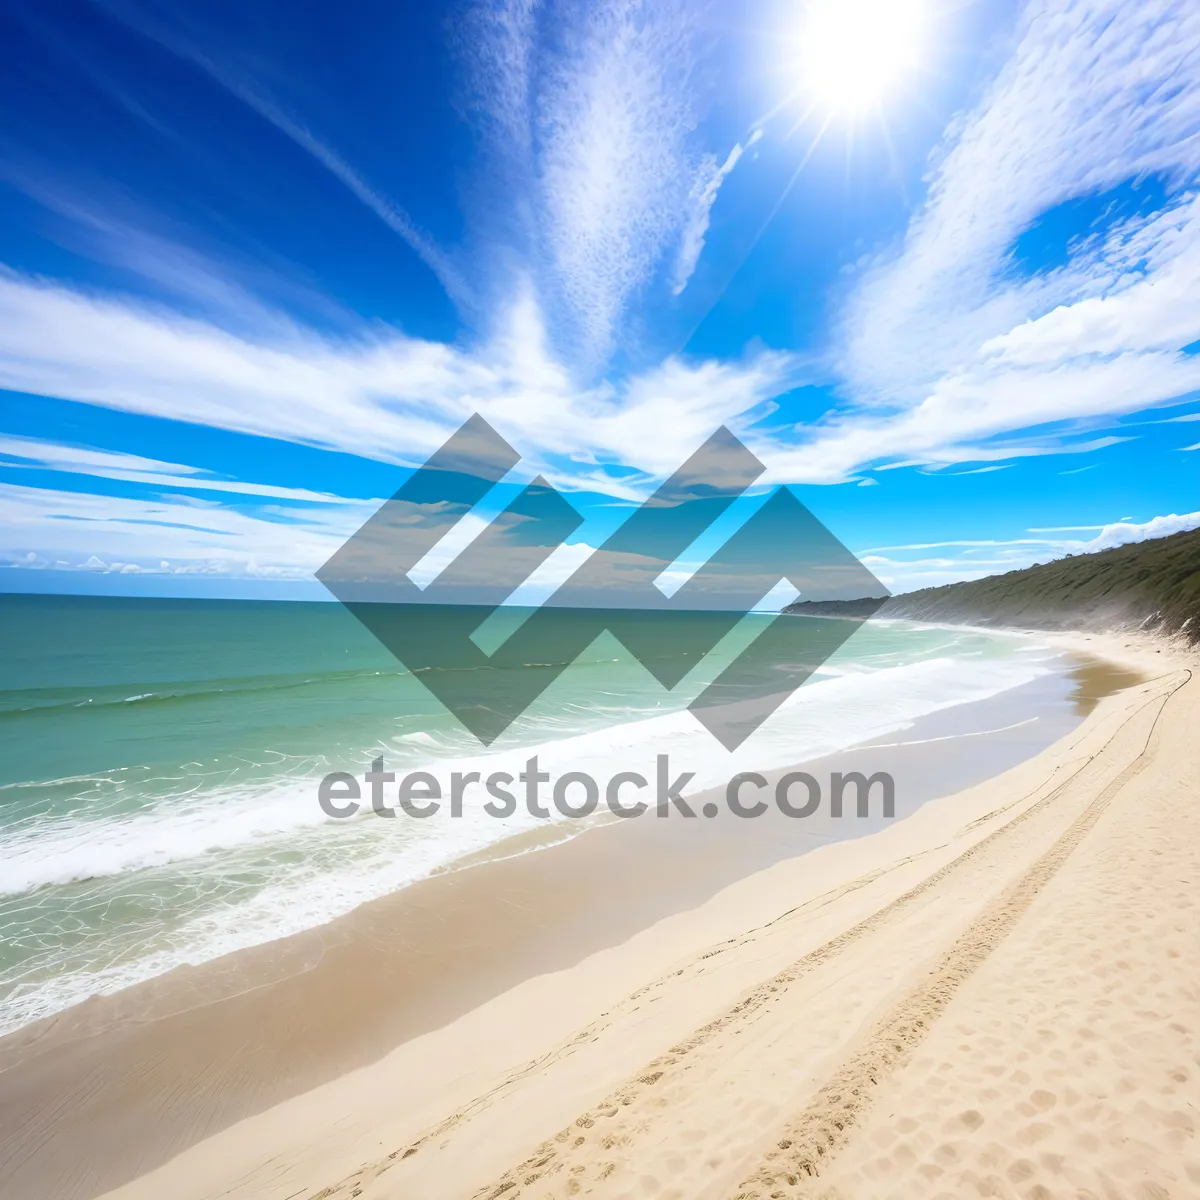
x=37 y=453
x=47 y=528
x=703 y=196
x=173 y=34
x=1097 y=92
x=383 y=396
x=949 y=338
x=599 y=117
x=388 y=211
x=592 y=112
x=142 y=358
x=109 y=227
x=613 y=119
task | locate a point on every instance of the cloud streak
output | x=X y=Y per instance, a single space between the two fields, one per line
x=589 y=118
x=949 y=339
x=174 y=38
x=703 y=196
x=37 y=453
x=598 y=123
x=385 y=396
x=47 y=528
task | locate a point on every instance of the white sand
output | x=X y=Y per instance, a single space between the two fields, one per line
x=998 y=996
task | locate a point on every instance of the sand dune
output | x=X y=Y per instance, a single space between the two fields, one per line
x=997 y=997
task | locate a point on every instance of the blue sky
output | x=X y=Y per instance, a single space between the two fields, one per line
x=258 y=261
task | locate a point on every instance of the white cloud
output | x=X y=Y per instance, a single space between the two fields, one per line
x=116 y=231
x=948 y=339
x=598 y=124
x=1121 y=533
x=999 y=555
x=104 y=533
x=382 y=396
x=613 y=120
x=132 y=468
x=1096 y=92
x=975 y=407
x=552 y=573
x=703 y=196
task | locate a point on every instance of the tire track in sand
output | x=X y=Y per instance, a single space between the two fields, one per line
x=810 y=1140
x=618 y=1119
x=614 y=1121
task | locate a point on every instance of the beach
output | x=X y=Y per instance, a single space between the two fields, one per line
x=600 y=600
x=163 y=762
x=991 y=995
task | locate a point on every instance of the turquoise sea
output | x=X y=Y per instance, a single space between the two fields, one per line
x=160 y=760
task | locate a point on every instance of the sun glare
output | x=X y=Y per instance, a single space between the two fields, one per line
x=852 y=54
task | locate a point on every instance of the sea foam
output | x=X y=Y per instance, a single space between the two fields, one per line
x=239 y=865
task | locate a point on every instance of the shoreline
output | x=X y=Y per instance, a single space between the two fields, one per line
x=543 y=834
x=199 y=864
x=303 y=978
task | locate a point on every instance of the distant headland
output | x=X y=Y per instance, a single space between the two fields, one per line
x=1148 y=585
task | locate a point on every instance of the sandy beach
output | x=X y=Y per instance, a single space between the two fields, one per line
x=994 y=995
x=600 y=600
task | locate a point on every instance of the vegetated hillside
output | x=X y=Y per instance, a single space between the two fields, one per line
x=1153 y=584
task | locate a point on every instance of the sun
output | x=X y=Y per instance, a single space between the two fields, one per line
x=850 y=56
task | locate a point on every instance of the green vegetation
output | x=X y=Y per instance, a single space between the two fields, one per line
x=1150 y=585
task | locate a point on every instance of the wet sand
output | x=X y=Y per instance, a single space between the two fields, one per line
x=117 y=1087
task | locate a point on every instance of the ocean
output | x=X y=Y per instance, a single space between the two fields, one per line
x=161 y=758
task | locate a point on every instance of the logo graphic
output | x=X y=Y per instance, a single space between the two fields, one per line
x=434 y=631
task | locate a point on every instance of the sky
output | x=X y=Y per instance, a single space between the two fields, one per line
x=935 y=263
